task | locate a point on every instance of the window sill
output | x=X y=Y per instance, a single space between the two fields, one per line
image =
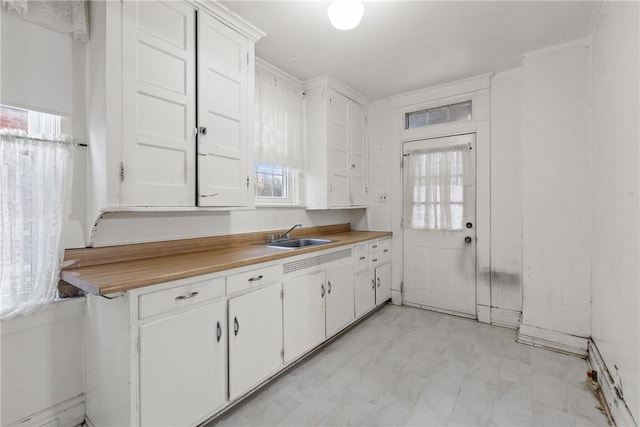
x=280 y=205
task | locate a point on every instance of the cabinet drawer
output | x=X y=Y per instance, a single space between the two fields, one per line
x=385 y=251
x=178 y=297
x=253 y=278
x=361 y=257
x=374 y=253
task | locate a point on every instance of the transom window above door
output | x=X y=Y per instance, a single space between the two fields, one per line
x=438 y=115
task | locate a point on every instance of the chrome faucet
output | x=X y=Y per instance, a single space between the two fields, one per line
x=283 y=236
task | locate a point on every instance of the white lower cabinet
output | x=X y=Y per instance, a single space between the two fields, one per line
x=255 y=338
x=157 y=356
x=383 y=283
x=373 y=275
x=304 y=314
x=365 y=292
x=340 y=298
x=177 y=353
x=316 y=306
x=183 y=366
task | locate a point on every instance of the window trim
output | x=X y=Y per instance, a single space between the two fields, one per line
x=293 y=192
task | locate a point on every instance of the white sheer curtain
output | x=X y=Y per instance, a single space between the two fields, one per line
x=32 y=185
x=434 y=187
x=64 y=16
x=278 y=125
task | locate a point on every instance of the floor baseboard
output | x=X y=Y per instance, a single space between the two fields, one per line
x=617 y=407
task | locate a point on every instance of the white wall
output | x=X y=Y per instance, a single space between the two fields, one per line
x=506 y=197
x=42 y=365
x=133 y=227
x=380 y=143
x=556 y=224
x=615 y=215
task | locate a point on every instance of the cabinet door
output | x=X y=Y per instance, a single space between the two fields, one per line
x=183 y=366
x=158 y=147
x=255 y=338
x=340 y=297
x=357 y=175
x=383 y=283
x=223 y=114
x=338 y=150
x=303 y=314
x=365 y=294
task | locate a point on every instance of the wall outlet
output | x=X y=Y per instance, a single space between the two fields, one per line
x=383 y=197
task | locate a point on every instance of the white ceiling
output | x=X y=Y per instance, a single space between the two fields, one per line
x=407 y=45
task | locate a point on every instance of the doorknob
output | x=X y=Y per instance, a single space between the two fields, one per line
x=467 y=240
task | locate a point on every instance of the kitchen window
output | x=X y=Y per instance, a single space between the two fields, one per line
x=278 y=137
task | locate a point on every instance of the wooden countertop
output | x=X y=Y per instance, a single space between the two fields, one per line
x=102 y=271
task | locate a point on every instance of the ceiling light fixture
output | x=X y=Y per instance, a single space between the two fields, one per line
x=345 y=14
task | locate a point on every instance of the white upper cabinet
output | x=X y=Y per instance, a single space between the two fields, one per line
x=170 y=105
x=336 y=145
x=225 y=62
x=159 y=112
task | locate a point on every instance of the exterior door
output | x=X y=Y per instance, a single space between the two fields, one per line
x=439 y=224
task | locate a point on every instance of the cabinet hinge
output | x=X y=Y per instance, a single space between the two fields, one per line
x=366 y=189
x=281 y=294
x=247 y=182
x=247 y=59
x=402 y=223
x=282 y=354
x=121 y=171
x=138 y=345
x=401 y=162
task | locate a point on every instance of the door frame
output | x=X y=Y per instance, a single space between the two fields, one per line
x=477 y=90
x=474 y=221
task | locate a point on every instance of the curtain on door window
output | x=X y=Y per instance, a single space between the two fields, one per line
x=278 y=124
x=434 y=187
x=32 y=184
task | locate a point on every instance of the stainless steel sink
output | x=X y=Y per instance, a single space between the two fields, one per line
x=298 y=243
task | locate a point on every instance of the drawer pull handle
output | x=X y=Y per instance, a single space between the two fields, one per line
x=236 y=326
x=362 y=257
x=385 y=251
x=322 y=290
x=375 y=260
x=373 y=284
x=255 y=279
x=378 y=282
x=329 y=290
x=183 y=297
x=374 y=246
x=218 y=332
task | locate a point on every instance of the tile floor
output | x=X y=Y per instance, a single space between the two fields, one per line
x=405 y=366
